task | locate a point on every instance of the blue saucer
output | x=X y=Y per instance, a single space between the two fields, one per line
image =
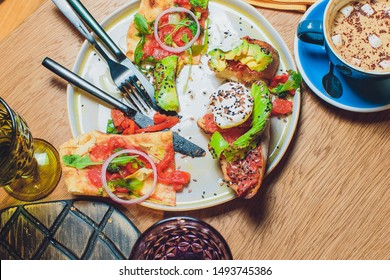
x=313 y=64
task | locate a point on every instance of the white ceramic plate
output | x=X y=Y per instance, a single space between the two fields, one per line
x=87 y=113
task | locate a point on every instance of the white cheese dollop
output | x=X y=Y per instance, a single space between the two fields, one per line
x=231 y=105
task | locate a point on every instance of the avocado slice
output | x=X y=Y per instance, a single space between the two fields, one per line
x=251 y=55
x=217 y=60
x=165 y=85
x=237 y=52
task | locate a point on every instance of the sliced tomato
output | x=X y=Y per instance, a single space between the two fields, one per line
x=152 y=48
x=175 y=178
x=281 y=106
x=164 y=31
x=232 y=134
x=94 y=176
x=183 y=32
x=159 y=118
x=99 y=152
x=164 y=19
x=117 y=117
x=115 y=143
x=169 y=122
x=210 y=124
x=131 y=167
x=121 y=190
x=166 y=161
x=113 y=176
x=279 y=79
x=128 y=126
x=182 y=3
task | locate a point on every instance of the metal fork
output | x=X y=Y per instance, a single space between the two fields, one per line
x=123 y=77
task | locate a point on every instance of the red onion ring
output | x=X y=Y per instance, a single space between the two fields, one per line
x=104 y=180
x=178 y=49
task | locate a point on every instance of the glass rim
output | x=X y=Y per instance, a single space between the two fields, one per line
x=187 y=218
x=13 y=120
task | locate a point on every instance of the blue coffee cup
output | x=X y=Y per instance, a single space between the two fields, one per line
x=319 y=32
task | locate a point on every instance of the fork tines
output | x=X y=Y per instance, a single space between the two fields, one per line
x=136 y=98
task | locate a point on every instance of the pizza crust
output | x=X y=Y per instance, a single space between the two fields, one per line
x=154 y=144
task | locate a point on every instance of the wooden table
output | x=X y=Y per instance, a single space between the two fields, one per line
x=329 y=198
x=14 y=12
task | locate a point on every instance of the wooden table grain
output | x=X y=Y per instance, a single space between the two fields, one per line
x=14 y=12
x=329 y=198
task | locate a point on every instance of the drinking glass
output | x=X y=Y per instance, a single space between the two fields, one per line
x=29 y=168
x=181 y=238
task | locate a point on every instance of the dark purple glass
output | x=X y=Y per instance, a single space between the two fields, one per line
x=181 y=238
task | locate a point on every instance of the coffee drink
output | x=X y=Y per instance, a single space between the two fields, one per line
x=360 y=33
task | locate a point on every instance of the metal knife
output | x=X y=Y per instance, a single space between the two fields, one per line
x=86 y=16
x=180 y=144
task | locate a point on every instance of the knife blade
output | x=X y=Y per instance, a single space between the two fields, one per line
x=180 y=144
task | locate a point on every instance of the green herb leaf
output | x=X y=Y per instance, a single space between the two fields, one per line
x=133 y=185
x=184 y=38
x=294 y=81
x=141 y=24
x=110 y=128
x=81 y=162
x=139 y=51
x=193 y=27
x=77 y=161
x=168 y=40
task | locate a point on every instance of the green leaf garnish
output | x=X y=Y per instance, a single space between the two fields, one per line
x=110 y=128
x=81 y=162
x=141 y=24
x=133 y=184
x=294 y=81
x=138 y=52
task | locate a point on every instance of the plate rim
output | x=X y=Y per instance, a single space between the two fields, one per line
x=288 y=135
x=314 y=88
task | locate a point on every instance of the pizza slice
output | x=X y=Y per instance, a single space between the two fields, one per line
x=174 y=29
x=239 y=121
x=130 y=177
x=163 y=37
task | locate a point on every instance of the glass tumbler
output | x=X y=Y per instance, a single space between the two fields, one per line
x=29 y=168
x=181 y=238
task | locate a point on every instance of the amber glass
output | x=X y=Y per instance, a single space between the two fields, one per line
x=29 y=168
x=181 y=238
